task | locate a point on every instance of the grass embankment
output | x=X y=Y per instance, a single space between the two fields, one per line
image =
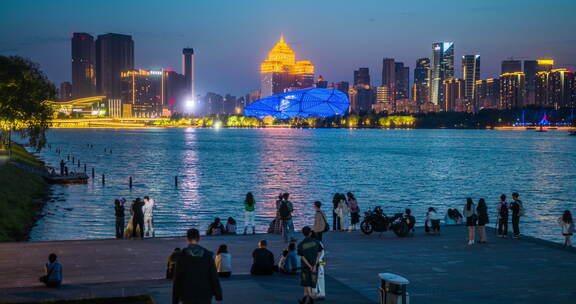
x=21 y=195
x=144 y=299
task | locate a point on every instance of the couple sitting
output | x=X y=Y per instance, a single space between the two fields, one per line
x=263 y=263
x=217 y=228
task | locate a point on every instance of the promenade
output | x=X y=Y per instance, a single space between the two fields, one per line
x=441 y=269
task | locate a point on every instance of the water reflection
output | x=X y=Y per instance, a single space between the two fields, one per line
x=392 y=168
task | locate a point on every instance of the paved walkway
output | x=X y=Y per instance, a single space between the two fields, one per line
x=442 y=269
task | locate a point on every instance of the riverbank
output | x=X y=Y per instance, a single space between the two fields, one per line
x=22 y=196
x=441 y=269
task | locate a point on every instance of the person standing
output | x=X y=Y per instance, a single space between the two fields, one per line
x=335 y=219
x=321 y=284
x=354 y=211
x=320 y=223
x=138 y=218
x=343 y=212
x=285 y=211
x=148 y=216
x=517 y=211
x=502 y=209
x=309 y=250
x=567 y=224
x=249 y=211
x=195 y=276
x=223 y=262
x=483 y=219
x=470 y=215
x=119 y=213
x=53 y=272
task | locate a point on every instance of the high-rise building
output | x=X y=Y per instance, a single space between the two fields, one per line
x=362 y=77
x=512 y=90
x=545 y=65
x=402 y=85
x=364 y=99
x=343 y=87
x=487 y=94
x=453 y=90
x=321 y=83
x=143 y=91
x=441 y=69
x=530 y=70
x=83 y=65
x=511 y=66
x=470 y=73
x=65 y=92
x=281 y=72
x=176 y=94
x=388 y=80
x=555 y=88
x=188 y=71
x=420 y=90
x=114 y=55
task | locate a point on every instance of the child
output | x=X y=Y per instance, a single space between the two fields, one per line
x=567 y=225
x=223 y=262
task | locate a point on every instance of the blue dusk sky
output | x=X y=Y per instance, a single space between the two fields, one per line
x=232 y=37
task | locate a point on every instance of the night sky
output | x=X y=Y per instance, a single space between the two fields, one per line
x=232 y=37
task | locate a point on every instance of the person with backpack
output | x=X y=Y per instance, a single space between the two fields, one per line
x=354 y=211
x=320 y=222
x=502 y=209
x=567 y=224
x=482 y=212
x=249 y=211
x=517 y=212
x=285 y=211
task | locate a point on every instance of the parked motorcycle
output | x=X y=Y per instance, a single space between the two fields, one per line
x=376 y=220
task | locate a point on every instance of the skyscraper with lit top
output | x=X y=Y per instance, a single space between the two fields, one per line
x=441 y=69
x=281 y=72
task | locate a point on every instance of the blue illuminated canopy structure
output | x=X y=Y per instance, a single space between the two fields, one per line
x=315 y=102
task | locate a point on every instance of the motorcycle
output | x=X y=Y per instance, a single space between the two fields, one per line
x=376 y=220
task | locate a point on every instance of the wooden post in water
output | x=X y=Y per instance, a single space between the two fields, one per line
x=103 y=179
x=84 y=167
x=176 y=181
x=130 y=182
x=92 y=173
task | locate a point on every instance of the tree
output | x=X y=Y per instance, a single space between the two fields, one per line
x=24 y=90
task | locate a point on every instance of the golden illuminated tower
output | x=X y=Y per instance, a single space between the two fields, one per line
x=281 y=71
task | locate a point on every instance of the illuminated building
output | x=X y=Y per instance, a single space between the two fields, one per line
x=114 y=55
x=306 y=103
x=470 y=73
x=281 y=71
x=65 y=92
x=388 y=80
x=83 y=65
x=176 y=92
x=453 y=90
x=512 y=88
x=384 y=100
x=420 y=90
x=511 y=66
x=530 y=70
x=545 y=65
x=555 y=88
x=441 y=69
x=321 y=83
x=94 y=106
x=143 y=90
x=487 y=94
x=188 y=71
x=405 y=105
x=213 y=104
x=402 y=79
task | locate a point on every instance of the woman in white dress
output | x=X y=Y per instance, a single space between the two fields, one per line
x=321 y=283
x=343 y=213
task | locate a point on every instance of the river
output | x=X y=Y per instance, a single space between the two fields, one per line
x=391 y=168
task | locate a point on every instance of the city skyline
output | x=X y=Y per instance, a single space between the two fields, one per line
x=228 y=51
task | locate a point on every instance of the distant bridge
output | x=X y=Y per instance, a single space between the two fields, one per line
x=134 y=122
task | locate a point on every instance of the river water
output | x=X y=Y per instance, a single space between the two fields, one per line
x=392 y=168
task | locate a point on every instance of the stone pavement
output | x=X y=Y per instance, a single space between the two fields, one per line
x=441 y=269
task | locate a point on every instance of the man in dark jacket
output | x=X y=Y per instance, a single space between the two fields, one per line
x=195 y=276
x=138 y=220
x=516 y=206
x=263 y=260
